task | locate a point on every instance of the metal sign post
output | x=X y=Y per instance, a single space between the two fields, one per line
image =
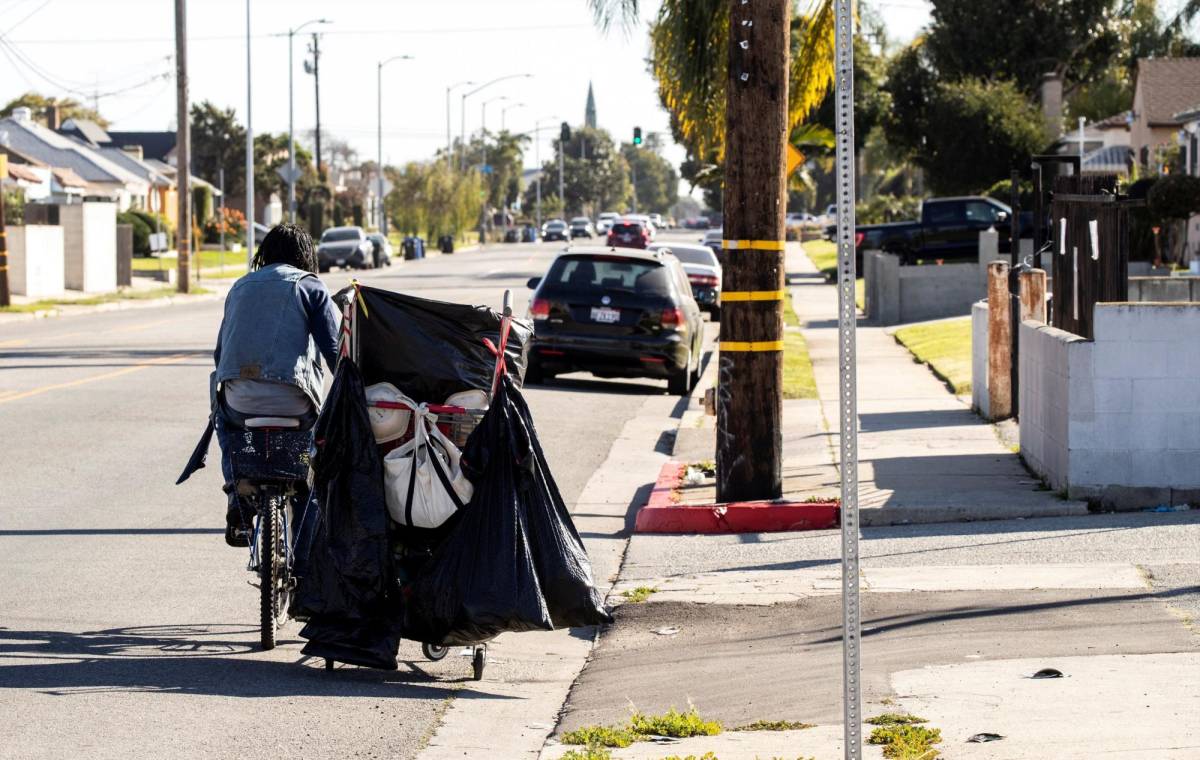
x=848 y=428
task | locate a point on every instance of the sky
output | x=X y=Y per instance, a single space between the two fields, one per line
x=123 y=51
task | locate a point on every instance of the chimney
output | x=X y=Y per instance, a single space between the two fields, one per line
x=22 y=115
x=133 y=150
x=1052 y=99
x=53 y=118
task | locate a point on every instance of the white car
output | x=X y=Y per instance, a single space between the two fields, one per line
x=712 y=238
x=703 y=272
x=604 y=220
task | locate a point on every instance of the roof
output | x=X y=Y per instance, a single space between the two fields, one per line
x=131 y=164
x=1115 y=159
x=155 y=145
x=68 y=178
x=22 y=171
x=87 y=130
x=1168 y=86
x=63 y=152
x=1116 y=121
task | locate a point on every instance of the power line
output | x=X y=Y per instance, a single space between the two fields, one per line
x=278 y=35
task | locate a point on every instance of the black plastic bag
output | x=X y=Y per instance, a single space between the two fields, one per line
x=432 y=349
x=514 y=561
x=345 y=582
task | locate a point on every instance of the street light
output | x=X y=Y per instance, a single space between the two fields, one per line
x=537 y=158
x=379 y=134
x=483 y=114
x=291 y=125
x=462 y=130
x=449 y=140
x=504 y=113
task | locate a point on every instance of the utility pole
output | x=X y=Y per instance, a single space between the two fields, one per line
x=749 y=400
x=5 y=296
x=183 y=141
x=291 y=135
x=316 y=72
x=249 y=154
x=221 y=182
x=564 y=136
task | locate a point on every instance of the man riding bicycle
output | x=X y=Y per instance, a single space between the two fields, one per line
x=279 y=323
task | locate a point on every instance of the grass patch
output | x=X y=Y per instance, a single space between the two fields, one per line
x=903 y=737
x=945 y=346
x=202 y=259
x=790 y=318
x=675 y=724
x=601 y=736
x=588 y=753
x=705 y=756
x=774 y=725
x=639 y=594
x=798 y=379
x=823 y=255
x=121 y=295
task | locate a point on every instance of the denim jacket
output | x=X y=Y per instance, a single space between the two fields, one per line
x=265 y=334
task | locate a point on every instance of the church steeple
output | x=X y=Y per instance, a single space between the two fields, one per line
x=589 y=114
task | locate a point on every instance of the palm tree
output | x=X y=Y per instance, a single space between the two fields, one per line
x=689 y=44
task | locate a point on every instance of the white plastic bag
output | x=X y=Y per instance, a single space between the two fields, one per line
x=423 y=480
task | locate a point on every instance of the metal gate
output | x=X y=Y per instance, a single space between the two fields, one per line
x=1089 y=224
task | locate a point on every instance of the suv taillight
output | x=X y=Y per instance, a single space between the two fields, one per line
x=539 y=309
x=858 y=238
x=672 y=317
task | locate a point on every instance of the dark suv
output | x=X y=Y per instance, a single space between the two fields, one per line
x=628 y=234
x=616 y=313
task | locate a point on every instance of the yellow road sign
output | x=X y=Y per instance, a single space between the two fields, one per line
x=794 y=159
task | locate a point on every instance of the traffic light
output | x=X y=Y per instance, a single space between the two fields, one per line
x=637 y=135
x=565 y=134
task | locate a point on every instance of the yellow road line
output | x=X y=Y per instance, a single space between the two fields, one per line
x=143 y=326
x=93 y=378
x=14 y=343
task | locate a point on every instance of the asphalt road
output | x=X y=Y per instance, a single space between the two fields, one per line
x=128 y=627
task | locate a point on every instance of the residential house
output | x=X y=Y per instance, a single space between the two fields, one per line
x=1103 y=144
x=41 y=183
x=104 y=178
x=1165 y=88
x=159 y=146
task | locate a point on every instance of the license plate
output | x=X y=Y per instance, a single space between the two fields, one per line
x=605 y=315
x=341 y=262
x=626 y=238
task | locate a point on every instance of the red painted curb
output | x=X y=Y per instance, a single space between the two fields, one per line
x=662 y=515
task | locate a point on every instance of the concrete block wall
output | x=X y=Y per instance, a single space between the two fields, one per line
x=35 y=260
x=1164 y=289
x=89 y=246
x=980 y=401
x=1116 y=421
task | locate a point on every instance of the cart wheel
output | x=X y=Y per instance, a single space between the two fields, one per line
x=478 y=661
x=328 y=664
x=433 y=651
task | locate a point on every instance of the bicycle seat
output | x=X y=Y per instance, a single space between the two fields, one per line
x=253 y=423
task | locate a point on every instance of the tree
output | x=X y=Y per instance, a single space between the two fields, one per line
x=68 y=108
x=657 y=181
x=218 y=142
x=1023 y=40
x=595 y=174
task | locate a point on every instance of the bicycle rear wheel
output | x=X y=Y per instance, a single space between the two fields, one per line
x=269 y=569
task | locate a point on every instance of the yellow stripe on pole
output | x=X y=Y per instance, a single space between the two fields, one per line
x=756 y=245
x=752 y=295
x=762 y=345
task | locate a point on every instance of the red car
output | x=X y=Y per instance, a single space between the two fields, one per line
x=628 y=234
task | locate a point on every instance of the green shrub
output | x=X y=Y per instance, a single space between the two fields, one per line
x=14 y=206
x=1002 y=191
x=674 y=724
x=1175 y=196
x=141 y=232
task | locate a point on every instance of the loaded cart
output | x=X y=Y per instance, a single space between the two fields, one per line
x=433 y=515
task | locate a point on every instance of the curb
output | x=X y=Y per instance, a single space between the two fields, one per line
x=67 y=310
x=662 y=515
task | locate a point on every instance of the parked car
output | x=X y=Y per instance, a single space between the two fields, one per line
x=604 y=220
x=556 y=229
x=581 y=226
x=712 y=238
x=948 y=230
x=345 y=247
x=645 y=221
x=616 y=313
x=657 y=221
x=628 y=233
x=382 y=249
x=703 y=273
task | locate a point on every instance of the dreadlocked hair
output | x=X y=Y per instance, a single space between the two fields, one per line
x=287 y=244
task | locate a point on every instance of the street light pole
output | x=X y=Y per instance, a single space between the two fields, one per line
x=291 y=121
x=504 y=114
x=462 y=132
x=449 y=139
x=537 y=157
x=249 y=154
x=379 y=136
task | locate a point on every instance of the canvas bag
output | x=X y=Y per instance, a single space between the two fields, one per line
x=423 y=479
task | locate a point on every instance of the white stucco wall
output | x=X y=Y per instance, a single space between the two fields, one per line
x=90 y=246
x=35 y=260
